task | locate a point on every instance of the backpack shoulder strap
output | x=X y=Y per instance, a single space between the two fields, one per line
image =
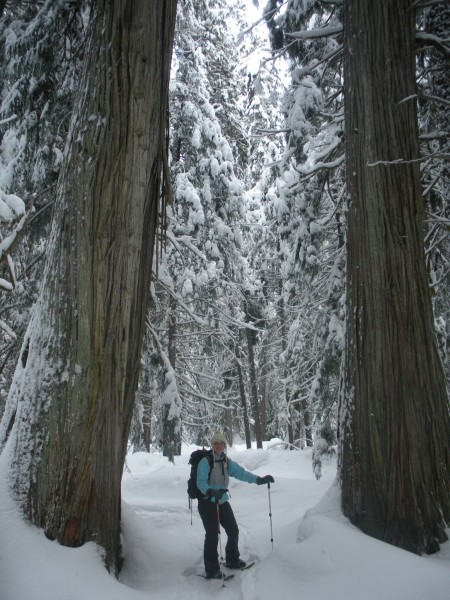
x=209 y=456
x=210 y=459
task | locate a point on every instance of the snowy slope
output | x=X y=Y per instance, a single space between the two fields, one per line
x=316 y=553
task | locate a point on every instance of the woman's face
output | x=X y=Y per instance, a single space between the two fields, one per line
x=219 y=447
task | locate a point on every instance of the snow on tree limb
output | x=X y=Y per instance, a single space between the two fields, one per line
x=6 y=285
x=8 y=243
x=311 y=34
x=11 y=207
x=434 y=40
x=171 y=395
x=308 y=172
x=8 y=119
x=397 y=161
x=4 y=327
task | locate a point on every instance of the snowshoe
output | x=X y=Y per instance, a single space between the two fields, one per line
x=240 y=565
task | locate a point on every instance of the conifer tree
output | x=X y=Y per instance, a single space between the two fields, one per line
x=394 y=454
x=72 y=396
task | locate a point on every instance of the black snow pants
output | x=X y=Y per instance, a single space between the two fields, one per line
x=208 y=514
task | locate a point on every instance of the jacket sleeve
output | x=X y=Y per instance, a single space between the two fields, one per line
x=202 y=475
x=240 y=473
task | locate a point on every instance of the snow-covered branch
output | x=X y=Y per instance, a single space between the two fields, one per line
x=400 y=161
x=435 y=99
x=170 y=395
x=432 y=218
x=218 y=402
x=198 y=320
x=266 y=17
x=309 y=171
x=310 y=34
x=434 y=40
x=424 y=3
x=8 y=119
x=271 y=131
x=186 y=241
x=11 y=206
x=437 y=283
x=4 y=327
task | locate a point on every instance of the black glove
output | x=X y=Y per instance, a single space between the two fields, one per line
x=265 y=479
x=217 y=494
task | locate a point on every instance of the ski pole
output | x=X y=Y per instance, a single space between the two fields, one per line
x=218 y=530
x=220 y=541
x=270 y=515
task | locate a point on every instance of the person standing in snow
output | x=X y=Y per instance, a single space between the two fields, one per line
x=214 y=505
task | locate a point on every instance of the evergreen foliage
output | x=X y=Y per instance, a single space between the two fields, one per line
x=311 y=216
x=198 y=282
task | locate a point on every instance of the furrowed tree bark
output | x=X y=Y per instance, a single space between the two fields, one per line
x=394 y=448
x=75 y=390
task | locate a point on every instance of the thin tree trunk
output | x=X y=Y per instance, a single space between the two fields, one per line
x=229 y=423
x=147 y=424
x=147 y=411
x=146 y=395
x=307 y=423
x=263 y=392
x=171 y=438
x=283 y=333
x=243 y=396
x=76 y=390
x=394 y=455
x=254 y=388
x=227 y=389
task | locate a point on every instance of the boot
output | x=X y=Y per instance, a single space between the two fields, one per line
x=214 y=574
x=236 y=564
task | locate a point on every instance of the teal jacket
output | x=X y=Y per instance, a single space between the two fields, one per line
x=234 y=470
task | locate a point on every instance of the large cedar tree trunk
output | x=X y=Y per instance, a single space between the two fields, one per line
x=75 y=386
x=394 y=462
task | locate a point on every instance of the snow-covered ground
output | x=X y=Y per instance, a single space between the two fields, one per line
x=316 y=552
